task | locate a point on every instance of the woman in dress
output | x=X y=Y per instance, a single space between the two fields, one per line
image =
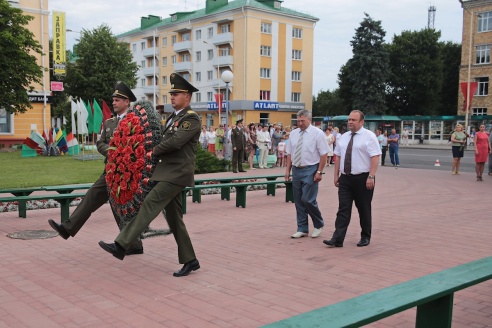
x=458 y=140
x=203 y=137
x=330 y=139
x=211 y=140
x=482 y=150
x=251 y=144
x=219 y=142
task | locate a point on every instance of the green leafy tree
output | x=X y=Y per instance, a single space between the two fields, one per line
x=102 y=61
x=368 y=67
x=328 y=103
x=17 y=59
x=415 y=82
x=345 y=85
x=451 y=60
x=61 y=105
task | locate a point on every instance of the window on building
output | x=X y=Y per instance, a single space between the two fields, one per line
x=186 y=76
x=210 y=96
x=296 y=97
x=210 y=31
x=142 y=46
x=134 y=47
x=142 y=64
x=173 y=39
x=293 y=119
x=210 y=75
x=164 y=42
x=164 y=61
x=185 y=57
x=264 y=94
x=297 y=33
x=198 y=34
x=485 y=21
x=5 y=121
x=198 y=56
x=483 y=86
x=296 y=54
x=224 y=51
x=210 y=119
x=265 y=73
x=265 y=51
x=479 y=111
x=173 y=59
x=296 y=76
x=150 y=62
x=164 y=99
x=483 y=54
x=266 y=28
x=198 y=97
x=198 y=76
x=164 y=80
x=142 y=82
x=264 y=118
x=210 y=54
x=225 y=28
x=186 y=36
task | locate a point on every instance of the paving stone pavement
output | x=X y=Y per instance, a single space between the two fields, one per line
x=252 y=273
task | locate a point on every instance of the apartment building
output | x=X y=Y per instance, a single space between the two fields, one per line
x=267 y=47
x=475 y=55
x=15 y=128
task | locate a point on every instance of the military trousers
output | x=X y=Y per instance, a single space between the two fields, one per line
x=166 y=196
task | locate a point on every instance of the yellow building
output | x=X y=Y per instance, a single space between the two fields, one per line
x=475 y=55
x=15 y=128
x=268 y=48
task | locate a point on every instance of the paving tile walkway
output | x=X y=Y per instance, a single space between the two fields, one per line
x=252 y=273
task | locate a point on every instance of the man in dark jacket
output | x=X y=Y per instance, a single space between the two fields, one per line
x=238 y=140
x=175 y=171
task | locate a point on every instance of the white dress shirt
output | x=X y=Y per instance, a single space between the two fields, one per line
x=365 y=146
x=262 y=138
x=314 y=145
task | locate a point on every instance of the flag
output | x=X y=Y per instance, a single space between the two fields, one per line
x=464 y=90
x=71 y=140
x=218 y=100
x=74 y=123
x=37 y=138
x=50 y=136
x=90 y=117
x=30 y=143
x=106 y=111
x=82 y=116
x=62 y=142
x=58 y=135
x=98 y=117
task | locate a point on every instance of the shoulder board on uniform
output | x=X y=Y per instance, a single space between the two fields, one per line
x=190 y=112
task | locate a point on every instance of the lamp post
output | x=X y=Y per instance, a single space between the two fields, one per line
x=227 y=77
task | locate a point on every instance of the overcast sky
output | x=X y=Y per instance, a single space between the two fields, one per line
x=338 y=20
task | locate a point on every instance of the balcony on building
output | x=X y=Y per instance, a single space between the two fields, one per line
x=223 y=61
x=223 y=38
x=150 y=52
x=149 y=71
x=183 y=66
x=182 y=46
x=149 y=89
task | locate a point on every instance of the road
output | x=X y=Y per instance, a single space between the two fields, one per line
x=424 y=158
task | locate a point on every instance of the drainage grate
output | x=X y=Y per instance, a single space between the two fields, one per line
x=32 y=234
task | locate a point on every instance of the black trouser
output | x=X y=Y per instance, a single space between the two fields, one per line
x=237 y=159
x=352 y=188
x=384 y=149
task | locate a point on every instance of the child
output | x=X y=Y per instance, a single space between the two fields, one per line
x=282 y=156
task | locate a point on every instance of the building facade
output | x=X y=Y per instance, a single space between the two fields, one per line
x=15 y=128
x=475 y=57
x=268 y=48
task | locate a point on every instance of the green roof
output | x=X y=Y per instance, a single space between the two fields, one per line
x=231 y=5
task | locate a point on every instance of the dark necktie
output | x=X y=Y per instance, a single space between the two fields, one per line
x=347 y=164
x=170 y=119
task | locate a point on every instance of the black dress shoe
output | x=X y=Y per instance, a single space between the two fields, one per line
x=132 y=251
x=187 y=268
x=60 y=229
x=115 y=249
x=363 y=242
x=234 y=171
x=332 y=242
x=242 y=171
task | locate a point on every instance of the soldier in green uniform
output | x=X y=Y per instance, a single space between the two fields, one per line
x=238 y=140
x=97 y=195
x=175 y=170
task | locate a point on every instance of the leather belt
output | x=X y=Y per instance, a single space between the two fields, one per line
x=353 y=175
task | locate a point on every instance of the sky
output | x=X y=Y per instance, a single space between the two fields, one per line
x=338 y=20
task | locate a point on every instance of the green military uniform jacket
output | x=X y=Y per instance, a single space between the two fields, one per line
x=106 y=134
x=177 y=149
x=238 y=139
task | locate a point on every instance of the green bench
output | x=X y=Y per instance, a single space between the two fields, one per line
x=241 y=188
x=20 y=192
x=431 y=294
x=63 y=199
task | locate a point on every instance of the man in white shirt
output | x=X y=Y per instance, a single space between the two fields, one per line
x=306 y=151
x=358 y=154
x=263 y=138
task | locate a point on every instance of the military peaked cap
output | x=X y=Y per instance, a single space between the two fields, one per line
x=179 y=84
x=121 y=90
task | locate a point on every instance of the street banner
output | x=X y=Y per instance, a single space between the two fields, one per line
x=59 y=43
x=464 y=89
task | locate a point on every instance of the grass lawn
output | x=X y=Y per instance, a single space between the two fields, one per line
x=18 y=172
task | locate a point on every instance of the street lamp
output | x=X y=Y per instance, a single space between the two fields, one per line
x=227 y=77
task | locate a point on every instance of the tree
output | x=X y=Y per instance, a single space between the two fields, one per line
x=368 y=67
x=346 y=84
x=102 y=61
x=328 y=103
x=17 y=59
x=451 y=60
x=415 y=81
